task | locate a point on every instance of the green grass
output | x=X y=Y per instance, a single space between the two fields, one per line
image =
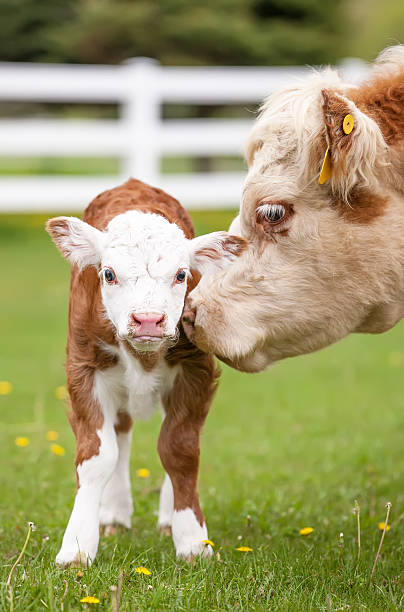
x=288 y=448
x=15 y=166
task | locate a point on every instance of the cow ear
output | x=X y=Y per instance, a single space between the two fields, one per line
x=212 y=252
x=79 y=242
x=253 y=145
x=354 y=148
x=341 y=123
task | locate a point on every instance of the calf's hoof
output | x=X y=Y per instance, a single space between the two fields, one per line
x=119 y=514
x=205 y=553
x=190 y=536
x=109 y=530
x=164 y=530
x=79 y=559
x=112 y=529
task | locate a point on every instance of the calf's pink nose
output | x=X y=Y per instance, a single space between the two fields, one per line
x=148 y=323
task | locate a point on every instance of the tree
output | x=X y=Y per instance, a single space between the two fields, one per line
x=243 y=32
x=23 y=24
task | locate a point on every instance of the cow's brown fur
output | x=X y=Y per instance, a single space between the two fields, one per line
x=364 y=206
x=335 y=109
x=383 y=100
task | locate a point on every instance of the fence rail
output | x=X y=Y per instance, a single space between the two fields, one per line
x=139 y=137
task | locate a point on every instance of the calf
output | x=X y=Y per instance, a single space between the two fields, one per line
x=132 y=258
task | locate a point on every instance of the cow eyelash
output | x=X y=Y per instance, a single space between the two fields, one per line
x=273 y=214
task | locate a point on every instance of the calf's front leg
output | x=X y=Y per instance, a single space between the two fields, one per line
x=96 y=459
x=186 y=407
x=179 y=452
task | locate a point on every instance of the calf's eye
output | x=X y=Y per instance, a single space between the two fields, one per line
x=109 y=275
x=180 y=276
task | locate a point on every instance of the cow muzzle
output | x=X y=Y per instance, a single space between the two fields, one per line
x=147 y=326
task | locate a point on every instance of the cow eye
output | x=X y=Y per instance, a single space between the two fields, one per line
x=180 y=276
x=274 y=213
x=109 y=275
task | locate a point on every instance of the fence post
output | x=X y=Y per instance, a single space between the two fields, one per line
x=141 y=114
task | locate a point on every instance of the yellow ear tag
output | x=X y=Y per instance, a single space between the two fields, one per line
x=325 y=168
x=348 y=124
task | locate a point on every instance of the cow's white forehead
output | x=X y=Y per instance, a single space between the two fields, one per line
x=145 y=240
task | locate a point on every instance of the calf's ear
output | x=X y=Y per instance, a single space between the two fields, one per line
x=213 y=252
x=79 y=242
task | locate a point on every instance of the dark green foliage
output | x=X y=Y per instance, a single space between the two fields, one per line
x=238 y=32
x=23 y=24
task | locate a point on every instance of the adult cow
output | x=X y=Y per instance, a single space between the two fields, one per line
x=323 y=211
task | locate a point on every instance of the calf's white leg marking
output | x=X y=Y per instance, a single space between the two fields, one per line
x=80 y=541
x=166 y=507
x=116 y=501
x=188 y=535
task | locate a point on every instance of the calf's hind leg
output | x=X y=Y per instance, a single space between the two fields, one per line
x=116 y=502
x=166 y=507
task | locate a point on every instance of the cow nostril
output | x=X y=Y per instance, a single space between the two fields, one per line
x=147 y=320
x=189 y=316
x=135 y=321
x=160 y=322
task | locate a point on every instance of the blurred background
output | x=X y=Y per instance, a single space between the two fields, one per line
x=80 y=110
x=92 y=91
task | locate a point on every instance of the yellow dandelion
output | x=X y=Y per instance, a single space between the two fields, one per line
x=142 y=570
x=306 y=531
x=208 y=542
x=61 y=393
x=80 y=574
x=381 y=527
x=244 y=549
x=143 y=473
x=57 y=450
x=52 y=435
x=90 y=599
x=21 y=441
x=5 y=387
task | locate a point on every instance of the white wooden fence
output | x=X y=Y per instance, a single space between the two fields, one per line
x=140 y=137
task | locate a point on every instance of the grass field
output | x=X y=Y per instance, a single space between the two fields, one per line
x=289 y=448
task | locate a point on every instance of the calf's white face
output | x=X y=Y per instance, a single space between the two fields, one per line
x=144 y=262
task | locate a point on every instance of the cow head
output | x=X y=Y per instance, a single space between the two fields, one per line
x=144 y=263
x=323 y=211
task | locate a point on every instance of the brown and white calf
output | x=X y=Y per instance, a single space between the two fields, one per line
x=326 y=247
x=132 y=258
